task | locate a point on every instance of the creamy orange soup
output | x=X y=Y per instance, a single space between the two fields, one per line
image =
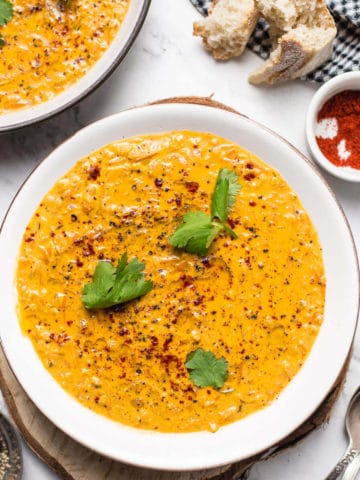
x=50 y=44
x=256 y=301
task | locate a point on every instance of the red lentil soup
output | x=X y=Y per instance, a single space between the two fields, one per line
x=256 y=300
x=48 y=45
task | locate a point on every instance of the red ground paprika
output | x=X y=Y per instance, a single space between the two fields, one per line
x=338 y=129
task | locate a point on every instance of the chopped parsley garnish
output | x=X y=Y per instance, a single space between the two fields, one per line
x=198 y=230
x=115 y=285
x=6 y=11
x=206 y=370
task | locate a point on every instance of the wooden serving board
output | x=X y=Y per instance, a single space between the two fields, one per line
x=73 y=461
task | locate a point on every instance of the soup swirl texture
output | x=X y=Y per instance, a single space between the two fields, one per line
x=256 y=300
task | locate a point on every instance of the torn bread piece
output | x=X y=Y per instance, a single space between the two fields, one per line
x=227 y=28
x=300 y=50
x=286 y=14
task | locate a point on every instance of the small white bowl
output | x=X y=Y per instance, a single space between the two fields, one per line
x=345 y=81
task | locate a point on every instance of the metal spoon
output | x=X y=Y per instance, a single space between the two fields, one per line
x=11 y=464
x=348 y=466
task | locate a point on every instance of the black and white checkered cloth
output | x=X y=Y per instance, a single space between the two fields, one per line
x=346 y=54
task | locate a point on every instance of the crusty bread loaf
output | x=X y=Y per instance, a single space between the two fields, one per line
x=227 y=28
x=300 y=50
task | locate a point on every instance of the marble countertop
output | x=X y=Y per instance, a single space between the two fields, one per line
x=167 y=61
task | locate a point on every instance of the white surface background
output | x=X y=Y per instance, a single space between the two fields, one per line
x=167 y=61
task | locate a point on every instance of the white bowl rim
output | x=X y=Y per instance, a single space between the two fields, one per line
x=74 y=93
x=196 y=450
x=344 y=81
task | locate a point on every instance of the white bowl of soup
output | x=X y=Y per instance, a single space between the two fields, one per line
x=55 y=53
x=249 y=266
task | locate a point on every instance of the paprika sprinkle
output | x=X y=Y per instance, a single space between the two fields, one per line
x=338 y=129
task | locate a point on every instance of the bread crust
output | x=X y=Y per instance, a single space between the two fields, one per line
x=300 y=50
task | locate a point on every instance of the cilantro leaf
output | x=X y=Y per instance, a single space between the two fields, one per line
x=129 y=281
x=112 y=286
x=2 y=41
x=6 y=11
x=205 y=369
x=97 y=292
x=226 y=189
x=196 y=233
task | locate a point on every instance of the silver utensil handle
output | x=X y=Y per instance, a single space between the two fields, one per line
x=353 y=469
x=347 y=467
